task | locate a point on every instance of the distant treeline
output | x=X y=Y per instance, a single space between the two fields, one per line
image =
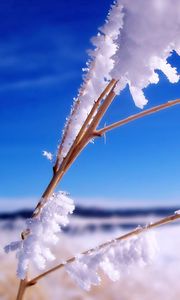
x=99 y=212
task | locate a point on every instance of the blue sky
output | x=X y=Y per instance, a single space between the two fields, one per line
x=42 y=51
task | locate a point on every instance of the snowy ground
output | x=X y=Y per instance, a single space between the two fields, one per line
x=160 y=281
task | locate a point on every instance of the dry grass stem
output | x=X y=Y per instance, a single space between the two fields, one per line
x=22 y=288
x=87 y=121
x=82 y=139
x=128 y=235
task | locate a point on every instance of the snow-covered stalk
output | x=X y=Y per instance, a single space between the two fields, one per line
x=134 y=43
x=142 y=249
x=134 y=233
x=42 y=234
x=114 y=260
x=97 y=75
x=84 y=126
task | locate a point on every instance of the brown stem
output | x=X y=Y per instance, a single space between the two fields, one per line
x=144 y=113
x=134 y=232
x=107 y=90
x=22 y=289
x=102 y=110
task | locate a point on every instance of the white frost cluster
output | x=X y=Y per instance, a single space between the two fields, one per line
x=43 y=232
x=96 y=77
x=114 y=260
x=135 y=41
x=47 y=154
x=150 y=33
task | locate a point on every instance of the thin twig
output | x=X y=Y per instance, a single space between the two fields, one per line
x=128 y=235
x=144 y=113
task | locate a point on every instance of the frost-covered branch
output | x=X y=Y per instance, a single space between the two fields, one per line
x=138 y=231
x=83 y=138
x=84 y=126
x=130 y=47
x=135 y=41
x=131 y=118
x=97 y=75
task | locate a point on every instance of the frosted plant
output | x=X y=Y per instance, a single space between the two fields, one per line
x=135 y=41
x=43 y=233
x=97 y=74
x=115 y=260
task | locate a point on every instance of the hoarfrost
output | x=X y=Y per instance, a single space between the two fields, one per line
x=96 y=77
x=43 y=231
x=47 y=154
x=135 y=42
x=114 y=260
x=150 y=33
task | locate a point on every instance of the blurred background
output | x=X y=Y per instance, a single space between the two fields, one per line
x=128 y=178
